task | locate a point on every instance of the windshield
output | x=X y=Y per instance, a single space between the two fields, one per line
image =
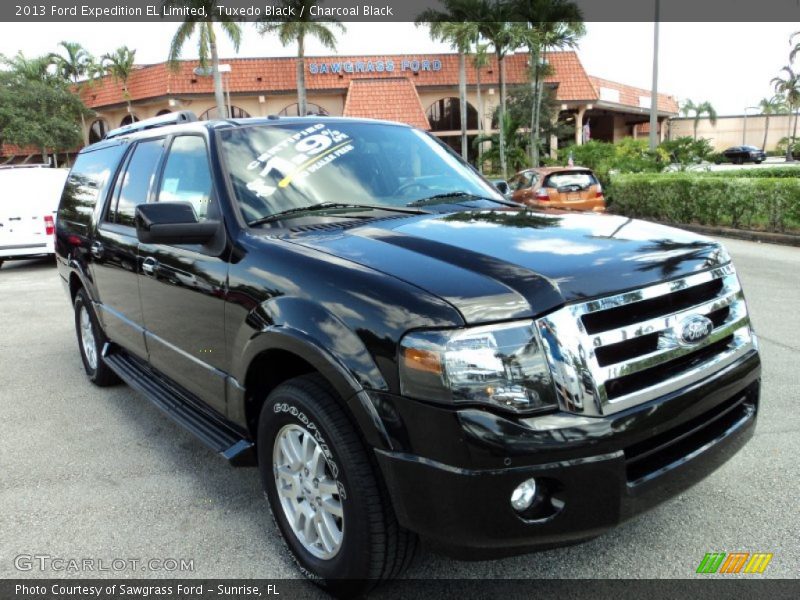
x=286 y=166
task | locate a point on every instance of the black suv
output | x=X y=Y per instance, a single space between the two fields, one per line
x=403 y=352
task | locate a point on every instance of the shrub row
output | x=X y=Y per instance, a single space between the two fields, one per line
x=771 y=203
x=767 y=172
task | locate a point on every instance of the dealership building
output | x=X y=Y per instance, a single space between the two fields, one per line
x=418 y=89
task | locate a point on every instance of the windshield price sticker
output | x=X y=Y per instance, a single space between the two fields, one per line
x=296 y=157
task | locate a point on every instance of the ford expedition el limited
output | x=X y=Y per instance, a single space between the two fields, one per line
x=405 y=354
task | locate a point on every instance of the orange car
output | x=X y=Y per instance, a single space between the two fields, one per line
x=575 y=188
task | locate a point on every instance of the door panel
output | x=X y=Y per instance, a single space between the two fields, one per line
x=183 y=287
x=114 y=258
x=115 y=269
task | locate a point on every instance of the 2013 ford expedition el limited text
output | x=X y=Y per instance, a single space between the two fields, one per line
x=404 y=353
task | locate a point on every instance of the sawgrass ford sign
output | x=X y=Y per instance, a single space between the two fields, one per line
x=374 y=66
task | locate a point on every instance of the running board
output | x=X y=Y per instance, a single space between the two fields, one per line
x=181 y=407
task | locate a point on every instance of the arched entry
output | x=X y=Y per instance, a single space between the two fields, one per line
x=445 y=115
x=128 y=120
x=293 y=110
x=97 y=131
x=236 y=113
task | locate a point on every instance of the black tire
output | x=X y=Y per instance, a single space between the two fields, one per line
x=374 y=547
x=99 y=373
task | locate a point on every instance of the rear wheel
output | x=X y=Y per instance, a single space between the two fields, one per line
x=91 y=341
x=325 y=492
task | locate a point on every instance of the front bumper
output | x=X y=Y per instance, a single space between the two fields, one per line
x=592 y=473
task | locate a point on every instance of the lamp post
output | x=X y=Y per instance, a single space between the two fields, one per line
x=744 y=124
x=654 y=93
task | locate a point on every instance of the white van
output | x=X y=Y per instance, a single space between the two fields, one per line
x=29 y=197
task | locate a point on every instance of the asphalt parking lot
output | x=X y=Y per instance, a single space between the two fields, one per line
x=100 y=473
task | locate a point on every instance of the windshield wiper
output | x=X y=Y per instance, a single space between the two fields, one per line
x=454 y=198
x=325 y=206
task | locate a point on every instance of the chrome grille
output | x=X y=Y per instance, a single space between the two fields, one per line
x=609 y=354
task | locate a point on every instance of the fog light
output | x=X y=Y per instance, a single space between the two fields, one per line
x=523 y=495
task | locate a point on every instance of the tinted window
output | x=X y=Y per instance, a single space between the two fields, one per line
x=186 y=175
x=88 y=181
x=285 y=166
x=135 y=184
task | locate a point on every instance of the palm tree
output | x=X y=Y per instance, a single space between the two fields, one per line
x=460 y=35
x=770 y=106
x=796 y=50
x=297 y=30
x=206 y=41
x=699 y=109
x=74 y=67
x=553 y=24
x=480 y=59
x=515 y=155
x=495 y=24
x=32 y=69
x=504 y=36
x=120 y=64
x=789 y=86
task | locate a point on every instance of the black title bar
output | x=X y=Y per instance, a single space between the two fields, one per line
x=709 y=11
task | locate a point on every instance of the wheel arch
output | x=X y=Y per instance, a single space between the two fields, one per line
x=280 y=354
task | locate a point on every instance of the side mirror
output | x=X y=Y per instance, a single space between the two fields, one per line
x=172 y=223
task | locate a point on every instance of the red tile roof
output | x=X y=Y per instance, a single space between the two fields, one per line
x=629 y=95
x=277 y=75
x=394 y=99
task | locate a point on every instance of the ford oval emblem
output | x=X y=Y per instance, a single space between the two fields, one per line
x=694 y=329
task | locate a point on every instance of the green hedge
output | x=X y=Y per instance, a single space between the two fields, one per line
x=741 y=202
x=767 y=172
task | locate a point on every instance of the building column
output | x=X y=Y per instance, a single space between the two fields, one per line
x=554 y=138
x=579 y=125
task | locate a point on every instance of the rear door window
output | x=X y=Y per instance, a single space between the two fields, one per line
x=134 y=185
x=88 y=183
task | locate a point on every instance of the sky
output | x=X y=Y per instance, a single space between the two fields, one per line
x=728 y=64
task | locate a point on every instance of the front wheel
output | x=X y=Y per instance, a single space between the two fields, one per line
x=90 y=342
x=325 y=493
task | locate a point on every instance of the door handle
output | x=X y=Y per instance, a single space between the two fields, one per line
x=149 y=265
x=96 y=249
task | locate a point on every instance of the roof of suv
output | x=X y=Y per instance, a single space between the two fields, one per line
x=147 y=128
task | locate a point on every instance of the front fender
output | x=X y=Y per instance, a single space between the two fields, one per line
x=326 y=343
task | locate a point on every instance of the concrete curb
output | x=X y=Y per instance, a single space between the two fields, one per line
x=767 y=237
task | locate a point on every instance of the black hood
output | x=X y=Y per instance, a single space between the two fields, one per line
x=494 y=265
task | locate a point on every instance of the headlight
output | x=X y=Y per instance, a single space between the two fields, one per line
x=499 y=365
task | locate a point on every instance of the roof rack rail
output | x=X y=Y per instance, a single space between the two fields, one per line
x=183 y=116
x=26 y=166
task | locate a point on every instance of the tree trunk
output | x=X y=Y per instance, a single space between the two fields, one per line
x=219 y=95
x=794 y=134
x=462 y=97
x=533 y=146
x=84 y=133
x=480 y=115
x=766 y=132
x=302 y=103
x=697 y=119
x=502 y=113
